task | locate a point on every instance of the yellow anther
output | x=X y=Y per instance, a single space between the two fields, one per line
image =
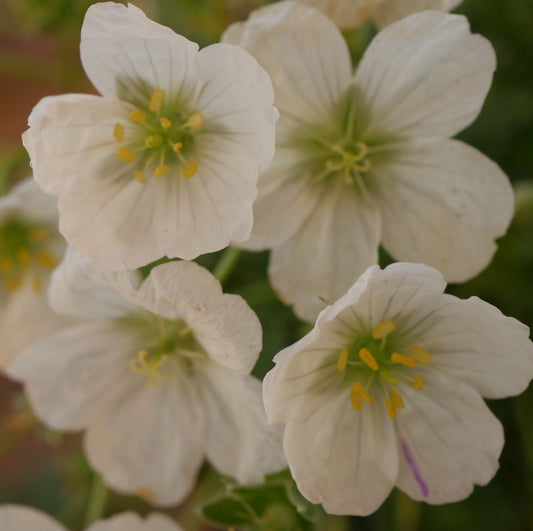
x=367 y=358
x=420 y=354
x=383 y=329
x=160 y=171
x=343 y=358
x=37 y=284
x=157 y=100
x=125 y=154
x=177 y=147
x=11 y=284
x=418 y=382
x=391 y=410
x=46 y=260
x=140 y=176
x=38 y=235
x=355 y=400
x=138 y=116
x=388 y=377
x=404 y=360
x=361 y=391
x=118 y=132
x=397 y=400
x=153 y=141
x=143 y=364
x=195 y=120
x=6 y=265
x=165 y=122
x=23 y=256
x=146 y=494
x=190 y=169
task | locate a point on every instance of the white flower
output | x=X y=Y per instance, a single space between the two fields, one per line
x=166 y=162
x=386 y=391
x=157 y=373
x=21 y=518
x=30 y=248
x=349 y=14
x=366 y=159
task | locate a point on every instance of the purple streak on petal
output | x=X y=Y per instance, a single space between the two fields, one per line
x=414 y=469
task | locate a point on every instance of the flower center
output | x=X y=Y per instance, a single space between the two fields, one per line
x=169 y=351
x=350 y=159
x=377 y=360
x=157 y=137
x=23 y=250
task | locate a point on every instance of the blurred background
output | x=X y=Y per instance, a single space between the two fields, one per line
x=39 y=42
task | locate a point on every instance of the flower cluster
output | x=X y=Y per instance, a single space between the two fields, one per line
x=183 y=154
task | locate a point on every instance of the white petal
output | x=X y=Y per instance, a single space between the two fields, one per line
x=222 y=323
x=66 y=372
x=450 y=440
x=307 y=82
x=127 y=55
x=236 y=100
x=133 y=522
x=346 y=460
x=424 y=76
x=443 y=203
x=240 y=443
x=145 y=439
x=474 y=342
x=21 y=518
x=393 y=10
x=334 y=246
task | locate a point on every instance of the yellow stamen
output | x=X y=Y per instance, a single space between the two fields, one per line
x=157 y=100
x=37 y=284
x=46 y=260
x=383 y=329
x=190 y=169
x=356 y=400
x=397 y=400
x=153 y=141
x=6 y=265
x=143 y=364
x=11 y=284
x=404 y=360
x=343 y=358
x=165 y=122
x=177 y=147
x=361 y=391
x=195 y=120
x=160 y=171
x=23 y=256
x=420 y=354
x=140 y=176
x=388 y=377
x=125 y=154
x=418 y=382
x=118 y=132
x=367 y=358
x=146 y=494
x=138 y=116
x=391 y=410
x=38 y=235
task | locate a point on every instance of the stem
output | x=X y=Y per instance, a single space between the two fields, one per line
x=226 y=264
x=97 y=501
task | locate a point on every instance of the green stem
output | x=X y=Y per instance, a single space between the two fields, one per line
x=97 y=501
x=226 y=264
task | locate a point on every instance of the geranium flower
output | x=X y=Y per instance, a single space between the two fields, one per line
x=30 y=248
x=366 y=159
x=166 y=162
x=21 y=518
x=157 y=373
x=386 y=391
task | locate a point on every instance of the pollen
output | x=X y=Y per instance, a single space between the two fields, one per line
x=420 y=354
x=125 y=154
x=397 y=400
x=361 y=391
x=418 y=382
x=138 y=116
x=165 y=122
x=190 y=169
x=46 y=260
x=343 y=358
x=391 y=410
x=23 y=256
x=404 y=360
x=355 y=400
x=157 y=100
x=161 y=170
x=118 y=132
x=177 y=147
x=195 y=120
x=383 y=329
x=368 y=359
x=38 y=235
x=140 y=176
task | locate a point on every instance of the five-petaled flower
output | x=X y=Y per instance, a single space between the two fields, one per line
x=166 y=161
x=387 y=390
